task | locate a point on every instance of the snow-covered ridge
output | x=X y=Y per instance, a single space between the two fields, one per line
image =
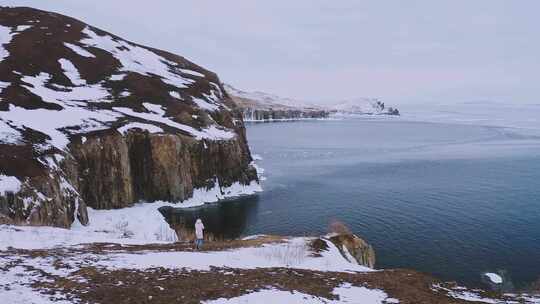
x=264 y=106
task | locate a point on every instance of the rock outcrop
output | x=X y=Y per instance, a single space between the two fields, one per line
x=88 y=119
x=353 y=247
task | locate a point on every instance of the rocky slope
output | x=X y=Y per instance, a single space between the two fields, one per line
x=90 y=119
x=260 y=106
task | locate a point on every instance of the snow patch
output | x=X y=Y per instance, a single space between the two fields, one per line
x=9 y=184
x=464 y=294
x=69 y=98
x=136 y=59
x=125 y=94
x=493 y=277
x=271 y=296
x=79 y=50
x=137 y=125
x=8 y=135
x=117 y=77
x=141 y=222
x=472 y=297
x=293 y=253
x=158 y=115
x=15 y=286
x=190 y=72
x=253 y=237
x=22 y=28
x=346 y=294
x=71 y=72
x=203 y=196
x=5 y=38
x=175 y=95
x=80 y=92
x=4 y=85
x=214 y=133
x=205 y=105
x=71 y=116
x=29 y=237
x=350 y=294
x=260 y=171
x=348 y=255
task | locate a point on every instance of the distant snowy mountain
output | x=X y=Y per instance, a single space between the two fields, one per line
x=371 y=106
x=265 y=106
x=262 y=99
x=259 y=106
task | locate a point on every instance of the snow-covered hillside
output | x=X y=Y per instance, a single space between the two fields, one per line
x=91 y=80
x=90 y=119
x=262 y=99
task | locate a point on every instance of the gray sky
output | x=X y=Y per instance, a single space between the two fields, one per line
x=400 y=51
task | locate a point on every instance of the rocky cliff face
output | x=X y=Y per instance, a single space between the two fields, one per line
x=254 y=114
x=88 y=119
x=355 y=249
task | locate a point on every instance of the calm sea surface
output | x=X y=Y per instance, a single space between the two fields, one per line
x=451 y=200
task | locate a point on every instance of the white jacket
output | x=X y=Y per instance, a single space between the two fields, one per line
x=199 y=227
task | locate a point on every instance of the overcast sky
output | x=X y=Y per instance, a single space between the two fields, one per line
x=400 y=51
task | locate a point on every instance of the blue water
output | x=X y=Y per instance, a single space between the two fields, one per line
x=451 y=200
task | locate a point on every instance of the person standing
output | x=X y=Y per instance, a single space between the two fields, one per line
x=199 y=235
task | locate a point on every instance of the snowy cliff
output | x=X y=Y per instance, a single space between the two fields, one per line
x=88 y=119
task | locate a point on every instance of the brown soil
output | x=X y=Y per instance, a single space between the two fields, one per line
x=182 y=286
x=160 y=285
